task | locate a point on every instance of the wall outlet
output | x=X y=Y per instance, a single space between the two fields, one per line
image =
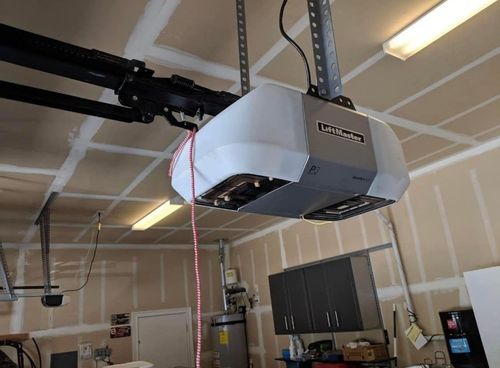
x=85 y=350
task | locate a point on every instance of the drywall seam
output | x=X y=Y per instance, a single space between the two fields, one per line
x=489 y=55
x=363 y=231
x=27 y=170
x=458 y=157
x=184 y=227
x=299 y=248
x=103 y=291
x=135 y=291
x=363 y=66
x=186 y=282
x=339 y=238
x=107 y=197
x=81 y=293
x=112 y=148
x=17 y=314
x=252 y=263
x=478 y=192
x=284 y=262
x=387 y=253
x=266 y=257
x=210 y=285
x=260 y=335
x=419 y=127
x=223 y=227
x=432 y=153
x=447 y=231
x=318 y=243
x=120 y=238
x=141 y=247
x=162 y=278
x=418 y=252
x=392 y=293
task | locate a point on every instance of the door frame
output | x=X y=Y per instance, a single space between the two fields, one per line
x=160 y=312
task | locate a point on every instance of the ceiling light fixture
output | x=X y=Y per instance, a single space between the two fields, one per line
x=432 y=25
x=158 y=214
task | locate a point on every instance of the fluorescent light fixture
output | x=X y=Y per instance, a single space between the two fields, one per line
x=432 y=25
x=156 y=215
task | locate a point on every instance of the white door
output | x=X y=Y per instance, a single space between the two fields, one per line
x=164 y=338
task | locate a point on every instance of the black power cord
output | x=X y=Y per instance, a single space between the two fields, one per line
x=93 y=257
x=38 y=352
x=295 y=45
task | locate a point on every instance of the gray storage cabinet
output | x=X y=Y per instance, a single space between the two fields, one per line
x=290 y=303
x=339 y=296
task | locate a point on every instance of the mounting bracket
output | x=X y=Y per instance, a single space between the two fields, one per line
x=325 y=53
x=243 y=47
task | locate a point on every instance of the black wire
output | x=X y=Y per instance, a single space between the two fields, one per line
x=295 y=45
x=38 y=351
x=33 y=365
x=93 y=257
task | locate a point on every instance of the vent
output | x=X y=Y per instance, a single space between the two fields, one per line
x=349 y=208
x=239 y=190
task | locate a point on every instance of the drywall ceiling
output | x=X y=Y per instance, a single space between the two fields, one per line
x=441 y=101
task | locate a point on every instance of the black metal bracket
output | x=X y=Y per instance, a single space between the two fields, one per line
x=141 y=95
x=243 y=46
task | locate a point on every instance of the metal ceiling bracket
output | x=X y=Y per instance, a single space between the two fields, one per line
x=8 y=291
x=43 y=221
x=243 y=47
x=325 y=53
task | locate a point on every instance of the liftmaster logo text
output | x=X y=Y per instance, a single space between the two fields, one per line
x=341 y=132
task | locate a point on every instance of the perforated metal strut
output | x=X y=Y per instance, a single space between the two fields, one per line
x=325 y=53
x=243 y=46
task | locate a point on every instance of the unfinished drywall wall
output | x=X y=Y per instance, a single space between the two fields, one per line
x=122 y=281
x=447 y=223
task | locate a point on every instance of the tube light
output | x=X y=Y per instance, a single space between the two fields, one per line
x=156 y=215
x=432 y=25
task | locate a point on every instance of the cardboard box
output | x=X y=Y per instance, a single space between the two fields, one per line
x=365 y=353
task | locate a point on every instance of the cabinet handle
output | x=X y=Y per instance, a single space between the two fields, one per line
x=337 y=319
x=293 y=323
x=286 y=323
x=328 y=319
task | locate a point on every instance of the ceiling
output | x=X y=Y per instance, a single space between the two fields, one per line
x=442 y=100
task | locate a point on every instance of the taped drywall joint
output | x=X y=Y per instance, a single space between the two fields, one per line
x=103 y=291
x=135 y=291
x=252 y=263
x=478 y=192
x=186 y=282
x=299 y=248
x=266 y=256
x=284 y=262
x=318 y=243
x=162 y=278
x=339 y=237
x=210 y=284
x=81 y=292
x=447 y=231
x=363 y=231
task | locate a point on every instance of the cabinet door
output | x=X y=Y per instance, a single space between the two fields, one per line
x=342 y=294
x=321 y=317
x=279 y=302
x=298 y=302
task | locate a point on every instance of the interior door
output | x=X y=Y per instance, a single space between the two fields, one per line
x=164 y=339
x=342 y=295
x=298 y=301
x=321 y=317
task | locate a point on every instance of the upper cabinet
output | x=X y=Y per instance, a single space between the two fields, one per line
x=333 y=296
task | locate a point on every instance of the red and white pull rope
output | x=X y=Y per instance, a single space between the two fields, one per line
x=191 y=136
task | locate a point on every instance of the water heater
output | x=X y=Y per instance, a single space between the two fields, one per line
x=462 y=339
